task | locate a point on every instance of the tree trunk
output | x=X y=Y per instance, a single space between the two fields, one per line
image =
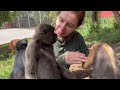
x=94 y=17
x=117 y=16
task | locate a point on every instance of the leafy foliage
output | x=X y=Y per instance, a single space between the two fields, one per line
x=52 y=17
x=43 y=16
x=7 y=16
x=106 y=30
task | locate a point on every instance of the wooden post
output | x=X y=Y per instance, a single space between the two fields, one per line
x=39 y=17
x=28 y=18
x=18 y=22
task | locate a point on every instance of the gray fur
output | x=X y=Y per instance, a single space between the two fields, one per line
x=40 y=61
x=18 y=68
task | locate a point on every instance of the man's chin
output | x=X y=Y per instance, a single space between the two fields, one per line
x=59 y=35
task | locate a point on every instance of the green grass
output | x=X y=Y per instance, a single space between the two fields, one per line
x=6 y=67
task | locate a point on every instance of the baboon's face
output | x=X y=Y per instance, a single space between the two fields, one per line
x=46 y=32
x=22 y=44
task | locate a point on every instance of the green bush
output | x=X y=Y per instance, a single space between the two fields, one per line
x=106 y=30
x=7 y=16
x=5 y=52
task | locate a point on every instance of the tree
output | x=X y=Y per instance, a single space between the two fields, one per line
x=94 y=16
x=7 y=16
x=52 y=17
x=117 y=16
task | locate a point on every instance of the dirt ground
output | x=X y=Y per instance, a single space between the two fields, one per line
x=6 y=35
x=81 y=73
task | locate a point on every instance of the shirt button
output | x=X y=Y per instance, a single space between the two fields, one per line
x=64 y=49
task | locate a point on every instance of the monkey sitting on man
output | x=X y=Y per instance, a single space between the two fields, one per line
x=18 y=71
x=40 y=61
x=103 y=61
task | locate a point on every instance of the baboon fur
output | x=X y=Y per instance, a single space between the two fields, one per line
x=40 y=59
x=104 y=62
x=18 y=71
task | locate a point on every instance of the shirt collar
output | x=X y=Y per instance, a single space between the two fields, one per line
x=63 y=40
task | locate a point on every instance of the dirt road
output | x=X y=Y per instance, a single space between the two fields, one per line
x=6 y=35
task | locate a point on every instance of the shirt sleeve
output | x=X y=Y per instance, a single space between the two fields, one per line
x=61 y=59
x=83 y=48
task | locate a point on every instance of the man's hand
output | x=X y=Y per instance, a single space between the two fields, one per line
x=74 y=57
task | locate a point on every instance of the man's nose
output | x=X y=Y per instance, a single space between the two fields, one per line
x=63 y=27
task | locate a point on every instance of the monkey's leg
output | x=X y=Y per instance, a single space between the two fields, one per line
x=65 y=73
x=30 y=65
x=30 y=70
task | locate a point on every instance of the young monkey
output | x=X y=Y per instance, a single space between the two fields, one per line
x=40 y=61
x=104 y=61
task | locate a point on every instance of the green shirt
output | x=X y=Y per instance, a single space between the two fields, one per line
x=74 y=42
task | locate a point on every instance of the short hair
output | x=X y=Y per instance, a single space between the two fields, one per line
x=80 y=14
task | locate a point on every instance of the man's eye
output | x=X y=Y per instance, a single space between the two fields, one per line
x=61 y=20
x=70 y=25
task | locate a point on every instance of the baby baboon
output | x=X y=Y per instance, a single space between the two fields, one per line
x=18 y=71
x=12 y=44
x=40 y=61
x=104 y=61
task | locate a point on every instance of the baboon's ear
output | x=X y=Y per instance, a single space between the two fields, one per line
x=44 y=31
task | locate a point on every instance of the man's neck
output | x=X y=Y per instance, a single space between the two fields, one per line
x=65 y=39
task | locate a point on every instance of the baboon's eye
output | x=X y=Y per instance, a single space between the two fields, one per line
x=44 y=31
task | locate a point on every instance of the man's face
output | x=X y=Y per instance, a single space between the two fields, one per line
x=66 y=23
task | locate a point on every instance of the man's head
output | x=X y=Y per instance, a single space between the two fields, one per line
x=67 y=22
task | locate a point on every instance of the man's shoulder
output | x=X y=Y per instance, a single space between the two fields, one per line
x=78 y=35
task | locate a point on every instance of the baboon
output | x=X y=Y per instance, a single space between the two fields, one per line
x=12 y=44
x=40 y=60
x=18 y=71
x=104 y=62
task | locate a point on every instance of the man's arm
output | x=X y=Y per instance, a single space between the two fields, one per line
x=61 y=60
